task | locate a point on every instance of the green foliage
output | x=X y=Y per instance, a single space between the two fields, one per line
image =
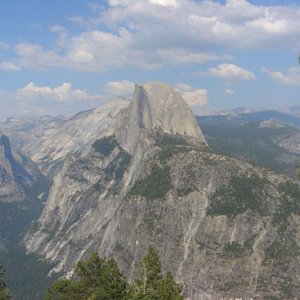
x=236 y=250
x=240 y=194
x=167 y=152
x=64 y=289
x=4 y=293
x=150 y=267
x=100 y=279
x=95 y=278
x=250 y=142
x=168 y=139
x=156 y=185
x=168 y=289
x=152 y=285
x=290 y=202
x=184 y=191
x=26 y=274
x=106 y=145
x=298 y=172
x=118 y=166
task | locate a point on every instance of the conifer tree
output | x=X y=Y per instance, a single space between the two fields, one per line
x=95 y=278
x=152 y=285
x=4 y=293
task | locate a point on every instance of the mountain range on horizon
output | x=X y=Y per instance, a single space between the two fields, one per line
x=130 y=174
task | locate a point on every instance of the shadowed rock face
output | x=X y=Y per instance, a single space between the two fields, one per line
x=217 y=222
x=19 y=172
x=6 y=147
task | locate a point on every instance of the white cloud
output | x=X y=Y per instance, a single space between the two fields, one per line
x=9 y=67
x=291 y=77
x=150 y=34
x=228 y=72
x=122 y=88
x=229 y=92
x=173 y=3
x=36 y=57
x=62 y=34
x=62 y=93
x=33 y=99
x=193 y=96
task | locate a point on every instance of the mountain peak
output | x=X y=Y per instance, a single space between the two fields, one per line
x=157 y=108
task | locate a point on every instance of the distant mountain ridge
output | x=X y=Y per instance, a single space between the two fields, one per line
x=48 y=140
x=226 y=228
x=258 y=116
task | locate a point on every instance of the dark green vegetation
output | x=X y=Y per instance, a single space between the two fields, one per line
x=106 y=145
x=118 y=166
x=280 y=254
x=290 y=202
x=240 y=194
x=26 y=275
x=99 y=278
x=156 y=185
x=247 y=141
x=168 y=139
x=236 y=250
x=4 y=293
x=158 y=182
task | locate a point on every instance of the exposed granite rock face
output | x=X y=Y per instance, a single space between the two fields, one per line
x=157 y=110
x=49 y=140
x=225 y=228
x=17 y=173
x=216 y=222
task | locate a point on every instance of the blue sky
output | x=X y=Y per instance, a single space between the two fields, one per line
x=63 y=56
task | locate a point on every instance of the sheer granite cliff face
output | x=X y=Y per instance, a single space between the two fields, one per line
x=17 y=173
x=223 y=227
x=157 y=110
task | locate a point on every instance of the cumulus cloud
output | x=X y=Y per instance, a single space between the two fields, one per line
x=228 y=72
x=37 y=57
x=291 y=77
x=33 y=99
x=9 y=67
x=62 y=93
x=173 y=3
x=150 y=34
x=229 y=92
x=192 y=96
x=122 y=88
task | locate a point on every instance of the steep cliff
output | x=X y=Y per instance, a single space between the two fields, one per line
x=224 y=227
x=48 y=140
x=17 y=173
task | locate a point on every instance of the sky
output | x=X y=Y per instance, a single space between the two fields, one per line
x=60 y=57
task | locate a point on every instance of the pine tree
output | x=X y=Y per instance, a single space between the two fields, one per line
x=4 y=293
x=152 y=285
x=100 y=279
x=95 y=278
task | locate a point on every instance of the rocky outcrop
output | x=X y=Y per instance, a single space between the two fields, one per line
x=157 y=111
x=48 y=140
x=17 y=173
x=225 y=228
